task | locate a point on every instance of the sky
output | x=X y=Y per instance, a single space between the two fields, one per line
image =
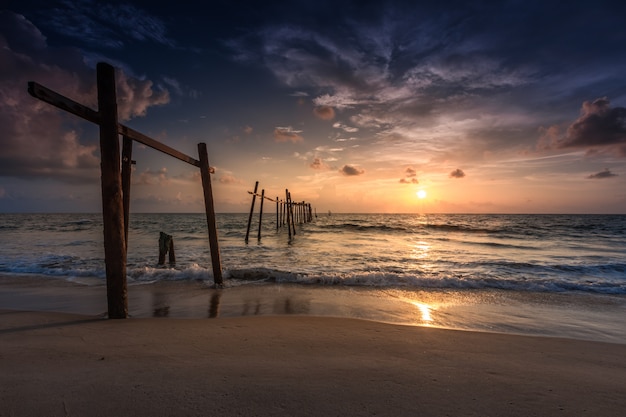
x=354 y=106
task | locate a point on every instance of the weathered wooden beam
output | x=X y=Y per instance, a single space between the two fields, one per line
x=45 y=94
x=210 y=214
x=112 y=207
x=261 y=214
x=148 y=141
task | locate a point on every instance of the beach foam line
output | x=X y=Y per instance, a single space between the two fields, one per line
x=59 y=364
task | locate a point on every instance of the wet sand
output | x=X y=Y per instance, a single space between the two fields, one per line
x=59 y=364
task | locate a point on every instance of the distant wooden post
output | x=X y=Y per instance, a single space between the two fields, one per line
x=277 y=207
x=205 y=173
x=166 y=244
x=256 y=186
x=287 y=204
x=261 y=213
x=127 y=162
x=112 y=205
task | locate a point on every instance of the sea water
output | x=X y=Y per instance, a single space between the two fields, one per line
x=572 y=263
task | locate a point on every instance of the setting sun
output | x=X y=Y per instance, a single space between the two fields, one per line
x=421 y=194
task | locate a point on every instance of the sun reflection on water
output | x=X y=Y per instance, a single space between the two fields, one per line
x=425 y=311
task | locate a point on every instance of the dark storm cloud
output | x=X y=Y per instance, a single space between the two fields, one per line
x=602 y=175
x=39 y=140
x=599 y=126
x=403 y=65
x=457 y=173
x=350 y=171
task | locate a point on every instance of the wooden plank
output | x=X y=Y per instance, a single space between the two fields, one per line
x=45 y=94
x=210 y=214
x=148 y=141
x=112 y=206
x=261 y=214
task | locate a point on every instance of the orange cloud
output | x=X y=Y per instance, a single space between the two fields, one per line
x=349 y=170
x=324 y=112
x=287 y=134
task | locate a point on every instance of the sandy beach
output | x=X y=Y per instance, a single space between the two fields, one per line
x=59 y=364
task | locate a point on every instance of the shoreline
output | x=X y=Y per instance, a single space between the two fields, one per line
x=573 y=316
x=61 y=364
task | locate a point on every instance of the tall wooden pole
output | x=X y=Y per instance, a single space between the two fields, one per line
x=261 y=213
x=277 y=207
x=127 y=162
x=256 y=186
x=112 y=206
x=287 y=203
x=205 y=174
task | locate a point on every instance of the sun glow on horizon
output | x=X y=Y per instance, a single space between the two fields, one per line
x=421 y=194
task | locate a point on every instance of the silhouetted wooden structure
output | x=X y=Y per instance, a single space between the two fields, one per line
x=115 y=181
x=287 y=212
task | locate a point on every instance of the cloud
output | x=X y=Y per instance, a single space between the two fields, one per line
x=409 y=176
x=37 y=139
x=602 y=175
x=107 y=25
x=318 y=163
x=135 y=96
x=324 y=112
x=457 y=173
x=349 y=170
x=229 y=179
x=345 y=128
x=150 y=177
x=287 y=134
x=598 y=126
x=247 y=130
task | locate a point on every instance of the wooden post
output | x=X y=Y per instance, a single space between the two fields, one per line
x=287 y=204
x=290 y=208
x=127 y=162
x=277 y=206
x=166 y=244
x=256 y=186
x=112 y=205
x=210 y=214
x=261 y=213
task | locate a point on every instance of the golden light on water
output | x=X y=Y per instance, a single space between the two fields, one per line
x=425 y=310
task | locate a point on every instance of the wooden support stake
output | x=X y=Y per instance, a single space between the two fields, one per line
x=166 y=244
x=287 y=204
x=112 y=205
x=293 y=224
x=127 y=162
x=277 y=205
x=256 y=186
x=261 y=213
x=205 y=173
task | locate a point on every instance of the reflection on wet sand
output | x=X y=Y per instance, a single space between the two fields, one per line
x=161 y=304
x=214 y=304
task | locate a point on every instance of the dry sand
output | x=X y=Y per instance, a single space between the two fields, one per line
x=56 y=364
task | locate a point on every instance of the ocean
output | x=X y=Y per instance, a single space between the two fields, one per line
x=558 y=275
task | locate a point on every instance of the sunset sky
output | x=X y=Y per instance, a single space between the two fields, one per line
x=487 y=107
